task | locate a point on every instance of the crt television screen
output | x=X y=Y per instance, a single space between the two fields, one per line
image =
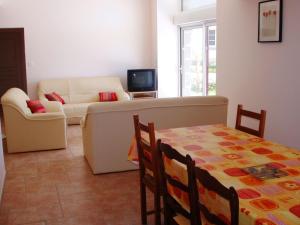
x=141 y=80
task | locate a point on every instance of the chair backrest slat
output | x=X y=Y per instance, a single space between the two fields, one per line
x=147 y=164
x=176 y=183
x=210 y=183
x=261 y=117
x=146 y=149
x=171 y=205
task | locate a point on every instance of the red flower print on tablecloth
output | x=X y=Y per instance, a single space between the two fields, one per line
x=192 y=147
x=251 y=181
x=270 y=190
x=203 y=153
x=235 y=172
x=264 y=222
x=208 y=167
x=231 y=138
x=232 y=156
x=256 y=140
x=295 y=210
x=292 y=172
x=198 y=161
x=276 y=157
x=236 y=148
x=247 y=193
x=262 y=151
x=275 y=165
x=264 y=204
x=290 y=185
x=220 y=133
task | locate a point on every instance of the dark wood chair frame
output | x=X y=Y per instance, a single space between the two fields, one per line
x=211 y=183
x=171 y=206
x=258 y=116
x=146 y=180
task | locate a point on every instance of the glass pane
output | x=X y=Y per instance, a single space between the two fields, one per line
x=212 y=60
x=192 y=62
x=193 y=4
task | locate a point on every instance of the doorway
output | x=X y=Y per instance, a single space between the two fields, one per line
x=12 y=59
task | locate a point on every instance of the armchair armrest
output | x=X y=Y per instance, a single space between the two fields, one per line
x=46 y=116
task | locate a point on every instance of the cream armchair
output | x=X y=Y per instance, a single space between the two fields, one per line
x=26 y=131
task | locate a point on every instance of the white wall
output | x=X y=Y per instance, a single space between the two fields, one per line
x=260 y=75
x=2 y=166
x=167 y=48
x=69 y=38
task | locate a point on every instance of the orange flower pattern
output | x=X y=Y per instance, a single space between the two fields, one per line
x=225 y=152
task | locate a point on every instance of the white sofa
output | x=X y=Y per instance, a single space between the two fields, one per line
x=26 y=131
x=79 y=93
x=108 y=128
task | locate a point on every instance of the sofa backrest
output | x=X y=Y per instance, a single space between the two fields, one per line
x=166 y=112
x=16 y=98
x=80 y=90
x=108 y=127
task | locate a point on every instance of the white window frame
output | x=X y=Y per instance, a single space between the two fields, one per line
x=205 y=25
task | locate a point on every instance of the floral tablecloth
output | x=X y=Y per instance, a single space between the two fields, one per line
x=266 y=175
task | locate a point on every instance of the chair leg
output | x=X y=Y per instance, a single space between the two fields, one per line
x=157 y=208
x=143 y=203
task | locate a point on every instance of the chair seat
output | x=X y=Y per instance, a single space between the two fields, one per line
x=181 y=220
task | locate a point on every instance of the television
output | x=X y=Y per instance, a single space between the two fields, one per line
x=141 y=80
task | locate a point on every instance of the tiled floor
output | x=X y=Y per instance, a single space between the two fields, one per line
x=58 y=188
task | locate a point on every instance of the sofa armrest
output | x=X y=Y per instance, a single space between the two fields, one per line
x=123 y=96
x=82 y=121
x=52 y=106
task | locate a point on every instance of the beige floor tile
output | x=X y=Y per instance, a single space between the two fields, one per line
x=59 y=188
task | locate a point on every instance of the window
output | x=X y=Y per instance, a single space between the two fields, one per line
x=212 y=37
x=198 y=60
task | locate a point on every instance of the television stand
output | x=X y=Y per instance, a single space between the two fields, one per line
x=142 y=95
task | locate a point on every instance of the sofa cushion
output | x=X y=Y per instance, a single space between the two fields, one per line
x=55 y=97
x=108 y=97
x=35 y=106
x=76 y=110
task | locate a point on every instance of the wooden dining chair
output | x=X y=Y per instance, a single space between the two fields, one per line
x=174 y=212
x=261 y=117
x=149 y=175
x=202 y=180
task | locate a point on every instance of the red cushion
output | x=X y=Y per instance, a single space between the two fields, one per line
x=35 y=106
x=55 y=97
x=108 y=96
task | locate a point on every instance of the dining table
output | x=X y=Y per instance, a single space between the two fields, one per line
x=265 y=174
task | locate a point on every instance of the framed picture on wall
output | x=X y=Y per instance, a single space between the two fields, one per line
x=270 y=21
